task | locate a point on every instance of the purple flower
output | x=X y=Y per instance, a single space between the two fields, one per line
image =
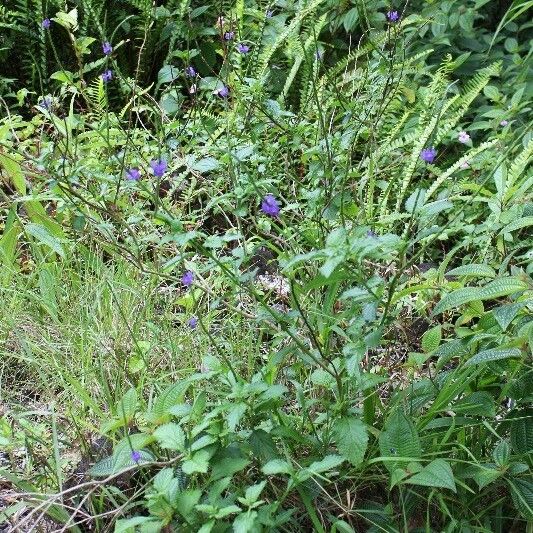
x=504 y=123
x=371 y=233
x=229 y=35
x=45 y=103
x=223 y=92
x=187 y=278
x=159 y=166
x=270 y=205
x=243 y=48
x=463 y=137
x=107 y=76
x=393 y=16
x=133 y=174
x=190 y=71
x=136 y=456
x=46 y=23
x=192 y=322
x=318 y=55
x=428 y=154
x=269 y=14
x=107 y=48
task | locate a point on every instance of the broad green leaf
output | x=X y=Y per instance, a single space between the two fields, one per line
x=517 y=224
x=494 y=354
x=228 y=466
x=170 y=397
x=44 y=237
x=399 y=438
x=351 y=437
x=276 y=466
x=505 y=314
x=431 y=339
x=128 y=525
x=438 y=473
x=522 y=431
x=127 y=405
x=473 y=270
x=14 y=172
x=501 y=453
x=522 y=494
x=186 y=500
x=494 y=289
x=324 y=465
x=479 y=403
x=244 y=523
x=199 y=462
x=171 y=437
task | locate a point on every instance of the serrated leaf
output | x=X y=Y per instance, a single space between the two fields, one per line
x=324 y=465
x=127 y=405
x=522 y=494
x=128 y=525
x=517 y=224
x=399 y=438
x=199 y=462
x=479 y=403
x=276 y=466
x=171 y=437
x=438 y=473
x=501 y=453
x=473 y=270
x=170 y=397
x=228 y=466
x=494 y=289
x=186 y=500
x=431 y=339
x=351 y=437
x=505 y=314
x=494 y=354
x=522 y=432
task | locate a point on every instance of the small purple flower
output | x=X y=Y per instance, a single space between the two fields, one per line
x=45 y=103
x=393 y=16
x=192 y=322
x=229 y=35
x=270 y=206
x=159 y=166
x=188 y=278
x=243 y=48
x=46 y=23
x=371 y=234
x=269 y=14
x=107 y=76
x=428 y=154
x=222 y=92
x=136 y=456
x=190 y=71
x=107 y=48
x=463 y=137
x=318 y=55
x=133 y=174
x=504 y=123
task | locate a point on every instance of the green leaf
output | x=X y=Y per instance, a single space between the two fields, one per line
x=228 y=466
x=502 y=453
x=505 y=314
x=244 y=523
x=438 y=473
x=128 y=525
x=14 y=171
x=479 y=403
x=522 y=431
x=186 y=500
x=171 y=437
x=127 y=405
x=517 y=224
x=351 y=437
x=45 y=237
x=494 y=354
x=199 y=462
x=399 y=438
x=473 y=270
x=172 y=396
x=277 y=466
x=522 y=494
x=494 y=289
x=431 y=339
